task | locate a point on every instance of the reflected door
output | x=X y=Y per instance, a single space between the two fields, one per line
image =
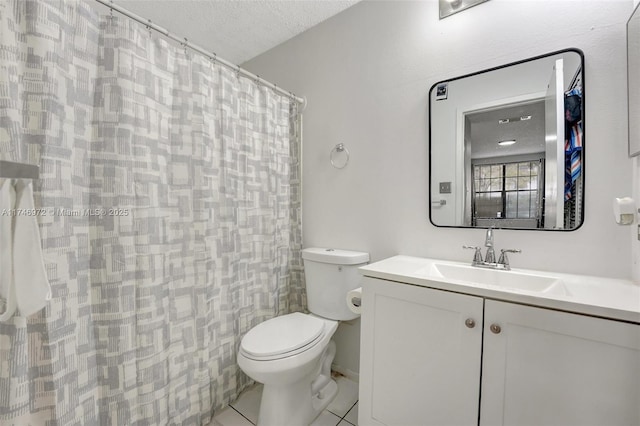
x=554 y=145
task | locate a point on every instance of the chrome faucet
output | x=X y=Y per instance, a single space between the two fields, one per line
x=490 y=258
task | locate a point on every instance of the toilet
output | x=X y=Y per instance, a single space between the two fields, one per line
x=292 y=354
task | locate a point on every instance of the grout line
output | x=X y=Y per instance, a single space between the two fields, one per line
x=345 y=414
x=233 y=408
x=339 y=419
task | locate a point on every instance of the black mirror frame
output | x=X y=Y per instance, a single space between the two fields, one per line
x=582 y=210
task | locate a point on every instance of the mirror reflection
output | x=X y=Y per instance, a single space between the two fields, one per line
x=506 y=146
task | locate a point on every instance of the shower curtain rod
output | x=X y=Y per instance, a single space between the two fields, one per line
x=186 y=43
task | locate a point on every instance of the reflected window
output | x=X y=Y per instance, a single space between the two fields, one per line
x=508 y=191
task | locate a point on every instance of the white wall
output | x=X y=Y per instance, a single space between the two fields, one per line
x=367 y=72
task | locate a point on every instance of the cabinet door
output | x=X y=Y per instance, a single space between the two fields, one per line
x=419 y=361
x=554 y=368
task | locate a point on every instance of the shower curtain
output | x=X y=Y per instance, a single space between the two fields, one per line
x=170 y=219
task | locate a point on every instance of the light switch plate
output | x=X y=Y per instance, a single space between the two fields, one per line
x=445 y=187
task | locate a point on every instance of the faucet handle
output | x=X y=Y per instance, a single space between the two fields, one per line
x=504 y=260
x=503 y=251
x=477 y=256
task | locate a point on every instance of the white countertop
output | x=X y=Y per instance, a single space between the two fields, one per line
x=603 y=297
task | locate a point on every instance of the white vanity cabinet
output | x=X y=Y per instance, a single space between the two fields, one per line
x=423 y=363
x=419 y=356
x=544 y=367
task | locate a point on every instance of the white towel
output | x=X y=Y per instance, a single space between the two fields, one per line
x=7 y=203
x=29 y=273
x=23 y=277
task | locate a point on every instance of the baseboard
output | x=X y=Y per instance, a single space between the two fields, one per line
x=349 y=374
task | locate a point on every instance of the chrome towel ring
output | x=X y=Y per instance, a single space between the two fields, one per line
x=335 y=155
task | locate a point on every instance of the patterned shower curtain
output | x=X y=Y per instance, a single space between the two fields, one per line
x=170 y=219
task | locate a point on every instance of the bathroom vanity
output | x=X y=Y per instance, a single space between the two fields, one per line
x=445 y=343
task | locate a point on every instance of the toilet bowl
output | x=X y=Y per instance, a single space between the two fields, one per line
x=292 y=354
x=296 y=375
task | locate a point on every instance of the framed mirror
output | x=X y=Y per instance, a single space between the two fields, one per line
x=506 y=146
x=633 y=80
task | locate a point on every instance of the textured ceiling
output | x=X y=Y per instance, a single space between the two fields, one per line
x=236 y=30
x=485 y=131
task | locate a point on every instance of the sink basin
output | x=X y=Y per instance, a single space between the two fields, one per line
x=595 y=296
x=504 y=279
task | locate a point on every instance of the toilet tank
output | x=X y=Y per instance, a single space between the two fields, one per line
x=330 y=274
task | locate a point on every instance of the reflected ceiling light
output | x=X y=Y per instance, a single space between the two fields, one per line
x=514 y=119
x=449 y=7
x=507 y=142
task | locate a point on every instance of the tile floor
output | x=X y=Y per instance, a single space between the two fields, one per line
x=343 y=410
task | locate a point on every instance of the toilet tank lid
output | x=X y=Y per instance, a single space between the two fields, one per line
x=335 y=256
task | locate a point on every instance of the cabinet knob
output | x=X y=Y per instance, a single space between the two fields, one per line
x=470 y=323
x=495 y=328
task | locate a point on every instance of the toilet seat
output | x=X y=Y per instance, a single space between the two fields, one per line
x=282 y=336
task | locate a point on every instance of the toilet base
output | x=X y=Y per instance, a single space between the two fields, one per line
x=324 y=397
x=293 y=405
x=298 y=404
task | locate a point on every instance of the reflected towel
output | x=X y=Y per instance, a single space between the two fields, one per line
x=7 y=202
x=32 y=288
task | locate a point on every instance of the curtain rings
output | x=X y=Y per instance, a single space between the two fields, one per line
x=185 y=44
x=292 y=99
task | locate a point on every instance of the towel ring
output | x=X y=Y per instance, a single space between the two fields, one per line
x=335 y=152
